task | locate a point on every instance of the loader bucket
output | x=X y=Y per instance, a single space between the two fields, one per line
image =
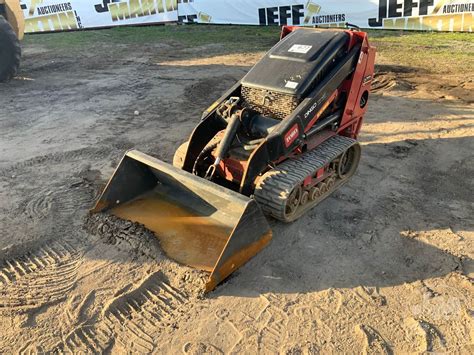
x=198 y=223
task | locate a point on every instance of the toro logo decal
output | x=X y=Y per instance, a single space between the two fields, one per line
x=367 y=80
x=291 y=135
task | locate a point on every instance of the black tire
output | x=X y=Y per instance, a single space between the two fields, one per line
x=10 y=51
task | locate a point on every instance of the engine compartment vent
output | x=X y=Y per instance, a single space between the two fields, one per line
x=269 y=103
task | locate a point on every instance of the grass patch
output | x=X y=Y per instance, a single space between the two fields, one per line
x=436 y=52
x=433 y=51
x=232 y=37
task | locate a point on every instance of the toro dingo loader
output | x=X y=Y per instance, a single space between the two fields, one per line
x=12 y=26
x=278 y=142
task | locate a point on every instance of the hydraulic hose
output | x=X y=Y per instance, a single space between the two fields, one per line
x=233 y=125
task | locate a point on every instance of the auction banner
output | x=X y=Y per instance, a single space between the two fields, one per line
x=426 y=15
x=57 y=15
x=431 y=15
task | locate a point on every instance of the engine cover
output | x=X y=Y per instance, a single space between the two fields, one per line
x=298 y=63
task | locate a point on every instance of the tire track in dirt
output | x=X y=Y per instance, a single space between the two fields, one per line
x=39 y=206
x=130 y=321
x=39 y=278
x=46 y=257
x=32 y=347
x=65 y=200
x=139 y=313
x=58 y=157
x=85 y=339
x=385 y=81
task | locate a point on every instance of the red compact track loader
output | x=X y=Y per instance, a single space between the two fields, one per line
x=279 y=141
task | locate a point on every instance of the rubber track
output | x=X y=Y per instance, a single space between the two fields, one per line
x=277 y=184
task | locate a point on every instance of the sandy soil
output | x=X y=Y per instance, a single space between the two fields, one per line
x=385 y=265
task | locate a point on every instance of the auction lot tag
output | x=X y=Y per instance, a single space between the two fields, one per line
x=291 y=84
x=299 y=48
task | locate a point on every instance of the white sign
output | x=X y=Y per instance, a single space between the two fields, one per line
x=58 y=15
x=430 y=15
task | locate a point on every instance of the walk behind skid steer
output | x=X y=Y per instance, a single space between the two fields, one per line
x=280 y=141
x=12 y=27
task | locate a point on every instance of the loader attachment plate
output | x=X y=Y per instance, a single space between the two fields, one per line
x=198 y=223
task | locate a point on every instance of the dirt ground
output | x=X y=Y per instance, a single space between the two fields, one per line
x=384 y=265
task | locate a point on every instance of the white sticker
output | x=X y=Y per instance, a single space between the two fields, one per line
x=300 y=48
x=291 y=84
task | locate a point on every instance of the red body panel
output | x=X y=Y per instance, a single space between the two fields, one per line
x=232 y=169
x=355 y=87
